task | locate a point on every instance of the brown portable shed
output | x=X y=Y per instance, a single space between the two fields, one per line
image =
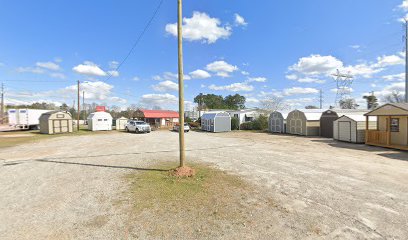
x=328 y=117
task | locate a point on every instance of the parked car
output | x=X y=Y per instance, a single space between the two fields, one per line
x=137 y=126
x=177 y=127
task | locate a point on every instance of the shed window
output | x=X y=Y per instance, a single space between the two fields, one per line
x=99 y=120
x=394 y=125
x=60 y=115
x=105 y=120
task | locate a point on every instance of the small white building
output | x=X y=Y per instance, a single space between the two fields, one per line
x=99 y=121
x=244 y=115
x=121 y=123
x=352 y=128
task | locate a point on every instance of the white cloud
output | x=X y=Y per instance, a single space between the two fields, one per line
x=201 y=27
x=169 y=76
x=394 y=87
x=245 y=73
x=58 y=75
x=239 y=20
x=257 y=79
x=48 y=65
x=343 y=89
x=35 y=70
x=252 y=100
x=291 y=76
x=135 y=78
x=316 y=65
x=221 y=68
x=310 y=80
x=165 y=86
x=90 y=69
x=355 y=46
x=299 y=91
x=394 y=77
x=404 y=5
x=113 y=64
x=234 y=87
x=199 y=74
x=389 y=60
x=158 y=99
x=113 y=73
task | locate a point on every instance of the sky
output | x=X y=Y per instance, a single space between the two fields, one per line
x=260 y=49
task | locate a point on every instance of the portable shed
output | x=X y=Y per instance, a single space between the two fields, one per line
x=277 y=122
x=329 y=116
x=121 y=123
x=352 y=128
x=55 y=122
x=305 y=122
x=216 y=122
x=99 y=121
x=392 y=126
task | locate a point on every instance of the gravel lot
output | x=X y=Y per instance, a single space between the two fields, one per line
x=69 y=187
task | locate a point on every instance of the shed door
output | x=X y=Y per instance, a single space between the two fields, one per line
x=292 y=126
x=345 y=131
x=276 y=125
x=64 y=126
x=298 y=127
x=57 y=126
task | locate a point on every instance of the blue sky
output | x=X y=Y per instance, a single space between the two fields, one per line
x=259 y=49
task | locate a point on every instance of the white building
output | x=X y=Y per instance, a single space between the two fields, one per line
x=99 y=121
x=244 y=115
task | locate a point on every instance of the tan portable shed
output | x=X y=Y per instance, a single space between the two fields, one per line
x=392 y=126
x=305 y=122
x=56 y=122
x=121 y=123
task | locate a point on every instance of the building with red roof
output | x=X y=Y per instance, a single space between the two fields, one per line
x=158 y=118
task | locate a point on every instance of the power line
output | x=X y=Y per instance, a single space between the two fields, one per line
x=138 y=39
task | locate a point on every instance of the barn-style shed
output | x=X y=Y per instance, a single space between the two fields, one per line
x=329 y=116
x=392 y=126
x=305 y=122
x=352 y=128
x=277 y=122
x=216 y=122
x=99 y=121
x=121 y=123
x=55 y=122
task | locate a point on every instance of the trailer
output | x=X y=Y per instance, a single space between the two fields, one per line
x=25 y=118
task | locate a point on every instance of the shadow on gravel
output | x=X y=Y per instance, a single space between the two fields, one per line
x=101 y=165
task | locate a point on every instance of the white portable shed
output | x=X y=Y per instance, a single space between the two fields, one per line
x=216 y=122
x=55 y=122
x=99 y=121
x=121 y=123
x=277 y=122
x=305 y=122
x=351 y=128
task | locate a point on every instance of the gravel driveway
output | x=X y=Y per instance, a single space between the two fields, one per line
x=70 y=187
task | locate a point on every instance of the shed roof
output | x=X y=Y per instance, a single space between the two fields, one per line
x=400 y=108
x=312 y=114
x=99 y=114
x=357 y=117
x=159 y=113
x=213 y=115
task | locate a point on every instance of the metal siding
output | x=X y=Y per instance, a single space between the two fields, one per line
x=345 y=131
x=326 y=124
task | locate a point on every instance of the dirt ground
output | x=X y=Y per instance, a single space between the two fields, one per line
x=71 y=187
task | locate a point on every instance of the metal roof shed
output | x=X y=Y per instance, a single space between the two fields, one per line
x=99 y=121
x=305 y=122
x=328 y=117
x=277 y=122
x=351 y=128
x=216 y=122
x=121 y=123
x=55 y=122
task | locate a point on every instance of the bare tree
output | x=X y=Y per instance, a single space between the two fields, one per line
x=348 y=103
x=395 y=97
x=272 y=103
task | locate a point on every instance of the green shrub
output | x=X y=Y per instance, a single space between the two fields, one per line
x=246 y=126
x=194 y=125
x=234 y=123
x=188 y=120
x=261 y=123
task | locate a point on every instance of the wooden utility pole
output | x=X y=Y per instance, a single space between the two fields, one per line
x=79 y=103
x=406 y=60
x=83 y=105
x=321 y=98
x=2 y=104
x=180 y=81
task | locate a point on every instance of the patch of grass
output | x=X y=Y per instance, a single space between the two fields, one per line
x=15 y=138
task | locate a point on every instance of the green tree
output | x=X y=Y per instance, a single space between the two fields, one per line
x=349 y=103
x=372 y=101
x=261 y=123
x=234 y=123
x=235 y=101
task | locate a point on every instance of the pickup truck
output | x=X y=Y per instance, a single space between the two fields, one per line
x=137 y=127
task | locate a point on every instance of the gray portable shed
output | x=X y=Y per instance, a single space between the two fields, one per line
x=216 y=122
x=55 y=122
x=277 y=122
x=352 y=128
x=305 y=122
x=328 y=117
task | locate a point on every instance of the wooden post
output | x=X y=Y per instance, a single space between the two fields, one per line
x=78 y=113
x=181 y=81
x=388 y=130
x=366 y=132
